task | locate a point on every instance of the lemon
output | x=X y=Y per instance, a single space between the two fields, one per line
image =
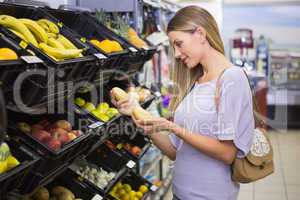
x=139 y=195
x=12 y=162
x=143 y=189
x=79 y=101
x=3 y=166
x=127 y=188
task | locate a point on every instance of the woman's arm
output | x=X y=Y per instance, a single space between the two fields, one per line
x=162 y=141
x=224 y=151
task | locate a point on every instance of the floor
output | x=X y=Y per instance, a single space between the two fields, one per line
x=284 y=184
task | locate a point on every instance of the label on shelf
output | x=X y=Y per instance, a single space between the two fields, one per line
x=153 y=188
x=100 y=56
x=97 y=197
x=130 y=164
x=96 y=125
x=132 y=49
x=31 y=59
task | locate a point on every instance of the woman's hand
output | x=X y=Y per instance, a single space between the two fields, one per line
x=154 y=125
x=126 y=106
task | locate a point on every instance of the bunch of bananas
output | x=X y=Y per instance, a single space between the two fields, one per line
x=43 y=34
x=7 y=161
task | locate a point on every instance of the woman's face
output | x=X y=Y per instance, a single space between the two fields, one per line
x=188 y=47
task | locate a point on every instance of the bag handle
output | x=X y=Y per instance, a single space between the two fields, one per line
x=259 y=122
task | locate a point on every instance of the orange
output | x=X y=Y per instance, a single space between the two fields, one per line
x=106 y=46
x=116 y=46
x=8 y=54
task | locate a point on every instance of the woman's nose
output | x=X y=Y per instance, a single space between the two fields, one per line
x=177 y=53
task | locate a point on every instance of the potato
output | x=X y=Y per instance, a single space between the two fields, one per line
x=66 y=196
x=41 y=194
x=119 y=94
x=141 y=114
x=59 y=191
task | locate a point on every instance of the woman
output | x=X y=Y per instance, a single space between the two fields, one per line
x=203 y=141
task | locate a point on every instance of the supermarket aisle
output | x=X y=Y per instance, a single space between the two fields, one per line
x=284 y=184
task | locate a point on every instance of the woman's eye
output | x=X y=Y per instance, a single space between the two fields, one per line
x=179 y=44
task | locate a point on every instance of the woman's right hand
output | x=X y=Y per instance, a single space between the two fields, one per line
x=125 y=106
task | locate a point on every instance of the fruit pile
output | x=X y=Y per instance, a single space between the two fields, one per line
x=125 y=192
x=43 y=34
x=54 y=135
x=98 y=177
x=121 y=28
x=7 y=161
x=8 y=54
x=108 y=46
x=57 y=193
x=133 y=149
x=102 y=112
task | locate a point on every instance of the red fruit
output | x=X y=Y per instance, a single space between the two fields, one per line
x=41 y=135
x=110 y=144
x=136 y=150
x=64 y=125
x=127 y=146
x=63 y=138
x=71 y=136
x=54 y=144
x=36 y=127
x=76 y=132
x=58 y=131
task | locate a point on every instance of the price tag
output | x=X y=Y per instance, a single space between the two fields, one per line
x=153 y=188
x=95 y=125
x=100 y=56
x=23 y=44
x=31 y=59
x=130 y=164
x=97 y=197
x=132 y=49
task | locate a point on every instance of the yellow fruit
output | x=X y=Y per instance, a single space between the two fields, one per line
x=55 y=43
x=112 y=112
x=67 y=43
x=12 y=162
x=141 y=114
x=119 y=185
x=115 y=46
x=79 y=101
x=139 y=195
x=127 y=187
x=136 y=41
x=95 y=42
x=106 y=46
x=103 y=117
x=132 y=194
x=18 y=34
x=15 y=24
x=89 y=106
x=131 y=32
x=143 y=189
x=52 y=35
x=3 y=166
x=102 y=107
x=60 y=53
x=8 y=54
x=121 y=192
x=53 y=28
x=44 y=26
x=39 y=33
x=125 y=197
x=119 y=94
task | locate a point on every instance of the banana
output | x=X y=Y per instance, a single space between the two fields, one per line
x=53 y=28
x=60 y=53
x=52 y=35
x=18 y=34
x=39 y=33
x=67 y=43
x=15 y=24
x=44 y=26
x=55 y=43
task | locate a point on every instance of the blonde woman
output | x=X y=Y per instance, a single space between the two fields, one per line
x=203 y=142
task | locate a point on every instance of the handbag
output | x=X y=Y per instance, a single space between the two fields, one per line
x=258 y=163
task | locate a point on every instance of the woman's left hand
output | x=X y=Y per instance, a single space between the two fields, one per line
x=155 y=124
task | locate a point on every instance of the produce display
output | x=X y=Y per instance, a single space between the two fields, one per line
x=43 y=34
x=121 y=28
x=57 y=193
x=125 y=192
x=108 y=46
x=7 y=160
x=8 y=54
x=102 y=112
x=135 y=150
x=53 y=135
x=98 y=176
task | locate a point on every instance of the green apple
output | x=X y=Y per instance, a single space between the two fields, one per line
x=79 y=101
x=102 y=107
x=89 y=106
x=112 y=112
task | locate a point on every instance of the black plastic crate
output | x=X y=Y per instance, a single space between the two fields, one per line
x=14 y=178
x=135 y=182
x=77 y=69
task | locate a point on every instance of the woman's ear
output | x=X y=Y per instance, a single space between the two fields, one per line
x=201 y=33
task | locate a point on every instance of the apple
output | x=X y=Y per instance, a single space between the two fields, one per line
x=58 y=131
x=71 y=136
x=41 y=135
x=89 y=106
x=63 y=124
x=76 y=132
x=54 y=144
x=63 y=138
x=36 y=127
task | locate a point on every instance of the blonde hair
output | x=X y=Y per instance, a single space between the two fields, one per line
x=188 y=19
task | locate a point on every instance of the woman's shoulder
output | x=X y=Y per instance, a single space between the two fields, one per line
x=236 y=74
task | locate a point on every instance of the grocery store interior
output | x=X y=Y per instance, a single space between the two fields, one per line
x=62 y=137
